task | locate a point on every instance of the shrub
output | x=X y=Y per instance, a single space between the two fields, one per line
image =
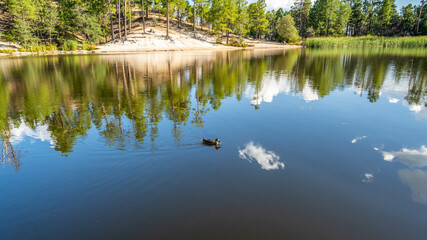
x=88 y=47
x=218 y=40
x=237 y=44
x=70 y=45
x=7 y=50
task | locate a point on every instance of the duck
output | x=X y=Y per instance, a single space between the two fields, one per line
x=211 y=142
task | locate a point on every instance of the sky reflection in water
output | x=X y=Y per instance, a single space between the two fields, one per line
x=344 y=131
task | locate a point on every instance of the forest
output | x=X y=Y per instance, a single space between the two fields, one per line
x=56 y=22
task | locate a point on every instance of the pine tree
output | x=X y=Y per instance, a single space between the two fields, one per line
x=408 y=19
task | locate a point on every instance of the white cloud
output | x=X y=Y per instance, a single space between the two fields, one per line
x=268 y=90
x=393 y=100
x=267 y=159
x=388 y=156
x=358 y=139
x=409 y=157
x=416 y=179
x=308 y=94
x=368 y=177
x=415 y=108
x=18 y=134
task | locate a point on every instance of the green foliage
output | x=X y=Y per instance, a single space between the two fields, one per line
x=258 y=21
x=88 y=47
x=70 y=45
x=286 y=29
x=7 y=50
x=37 y=22
x=301 y=12
x=405 y=42
x=409 y=18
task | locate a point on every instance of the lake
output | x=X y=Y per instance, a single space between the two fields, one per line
x=316 y=144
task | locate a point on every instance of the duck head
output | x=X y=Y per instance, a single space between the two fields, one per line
x=217 y=141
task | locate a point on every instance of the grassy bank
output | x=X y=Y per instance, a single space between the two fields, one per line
x=368 y=41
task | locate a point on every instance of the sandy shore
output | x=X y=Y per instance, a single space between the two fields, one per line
x=155 y=40
x=179 y=40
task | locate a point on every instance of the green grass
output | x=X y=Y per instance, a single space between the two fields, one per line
x=367 y=41
x=38 y=48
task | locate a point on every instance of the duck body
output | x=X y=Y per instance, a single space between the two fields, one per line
x=210 y=141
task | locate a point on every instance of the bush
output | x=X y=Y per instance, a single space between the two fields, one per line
x=70 y=45
x=51 y=47
x=7 y=50
x=88 y=47
x=237 y=44
x=218 y=40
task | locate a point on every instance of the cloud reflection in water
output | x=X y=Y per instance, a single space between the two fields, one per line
x=416 y=179
x=267 y=159
x=409 y=157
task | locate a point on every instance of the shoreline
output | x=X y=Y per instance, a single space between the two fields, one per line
x=151 y=50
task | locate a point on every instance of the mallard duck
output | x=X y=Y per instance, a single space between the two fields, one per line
x=211 y=142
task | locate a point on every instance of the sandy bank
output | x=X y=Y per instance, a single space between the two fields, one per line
x=179 y=40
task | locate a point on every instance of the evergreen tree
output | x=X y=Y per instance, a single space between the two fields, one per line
x=408 y=19
x=258 y=21
x=356 y=18
x=300 y=12
x=384 y=15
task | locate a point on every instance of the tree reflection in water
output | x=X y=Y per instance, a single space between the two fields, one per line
x=70 y=93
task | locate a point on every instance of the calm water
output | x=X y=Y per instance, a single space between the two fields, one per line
x=316 y=144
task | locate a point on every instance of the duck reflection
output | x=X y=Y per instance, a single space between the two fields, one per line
x=268 y=160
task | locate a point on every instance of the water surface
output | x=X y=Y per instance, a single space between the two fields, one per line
x=316 y=144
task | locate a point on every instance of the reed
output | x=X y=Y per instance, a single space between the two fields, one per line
x=39 y=48
x=367 y=41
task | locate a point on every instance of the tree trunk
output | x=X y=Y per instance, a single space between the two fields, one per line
x=179 y=18
x=419 y=17
x=201 y=17
x=130 y=18
x=119 y=13
x=111 y=20
x=125 y=17
x=146 y=13
x=143 y=15
x=167 y=20
x=194 y=18
x=228 y=31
